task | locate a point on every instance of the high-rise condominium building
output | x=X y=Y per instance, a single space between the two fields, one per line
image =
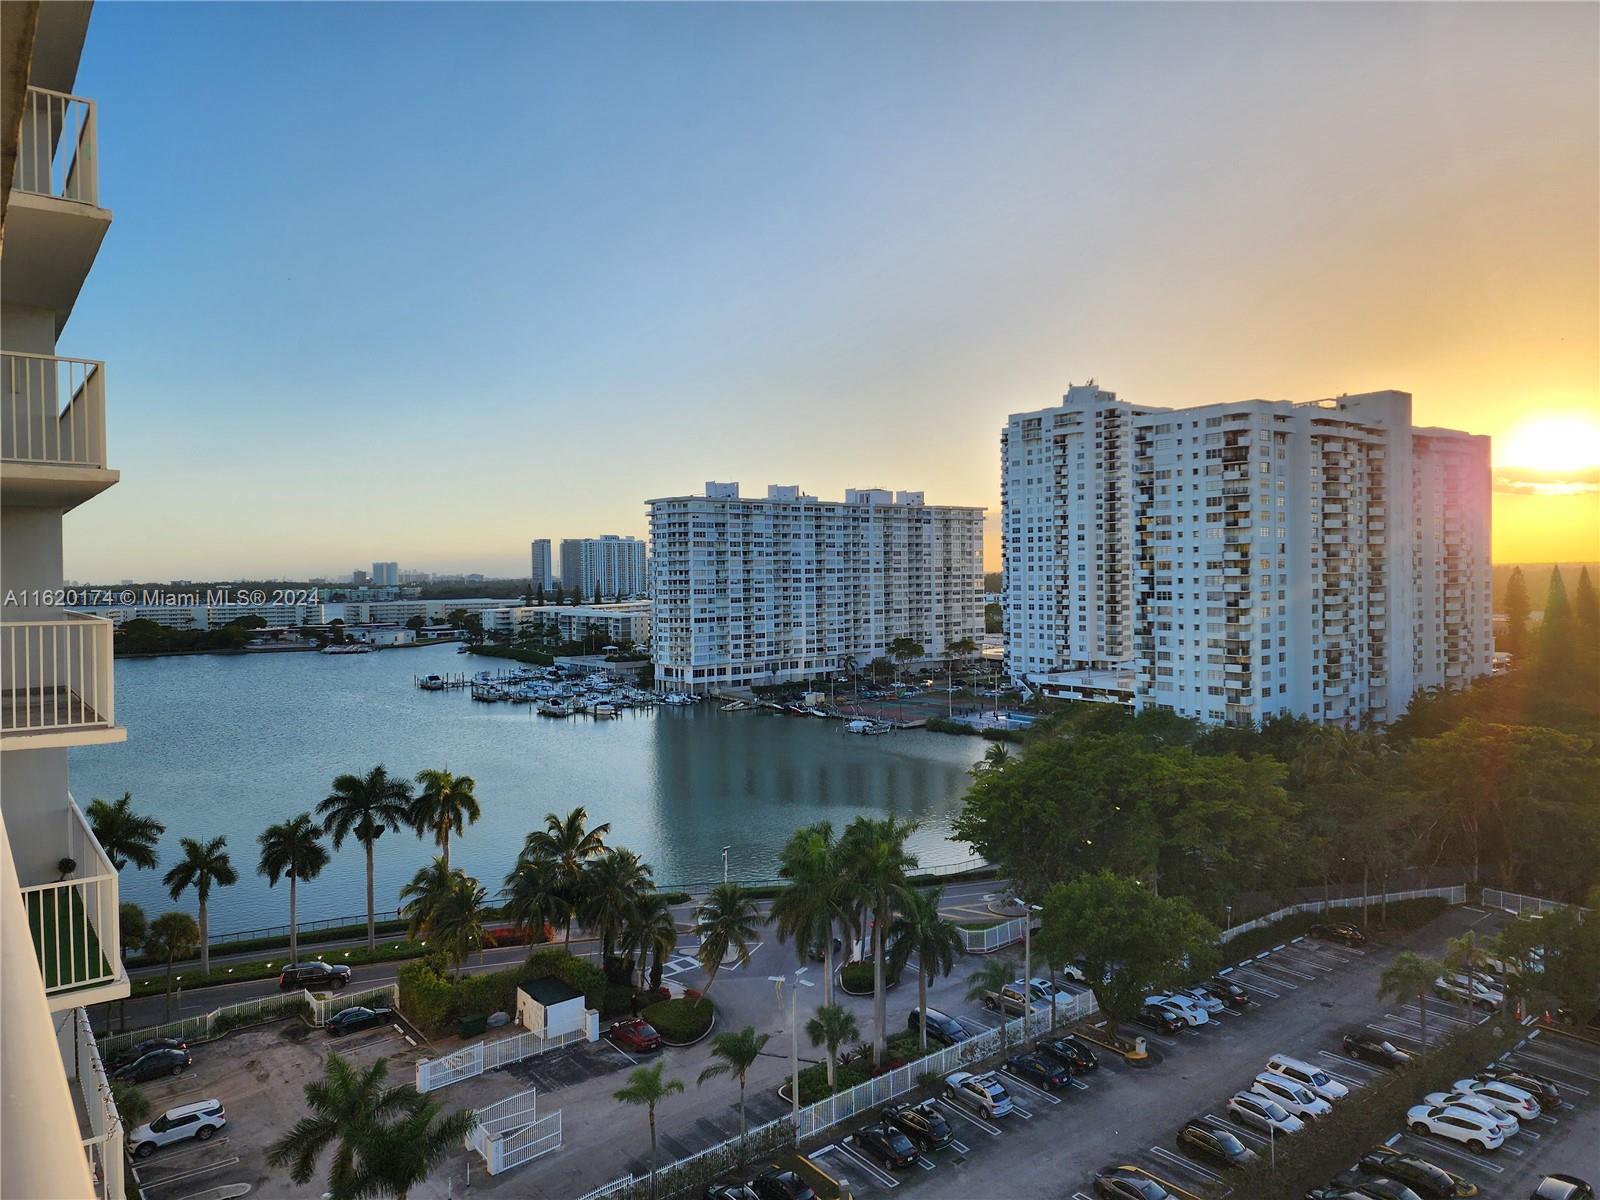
x=544 y=575
x=615 y=566
x=1235 y=562
x=760 y=591
x=60 y=947
x=385 y=574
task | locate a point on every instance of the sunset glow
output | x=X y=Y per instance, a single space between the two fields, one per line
x=1553 y=444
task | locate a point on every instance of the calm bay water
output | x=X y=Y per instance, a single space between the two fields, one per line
x=229 y=744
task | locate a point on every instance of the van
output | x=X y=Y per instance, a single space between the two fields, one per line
x=1313 y=1079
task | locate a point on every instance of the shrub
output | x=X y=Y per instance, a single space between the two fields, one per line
x=272 y=1010
x=1403 y=915
x=857 y=977
x=680 y=1020
x=620 y=999
x=814 y=1081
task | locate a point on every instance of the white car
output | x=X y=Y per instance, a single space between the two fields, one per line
x=1186 y=1008
x=982 y=1092
x=1504 y=1122
x=1073 y=972
x=1203 y=998
x=1471 y=989
x=1507 y=1097
x=1315 y=1080
x=1291 y=1095
x=1471 y=1129
x=199 y=1121
x=1247 y=1108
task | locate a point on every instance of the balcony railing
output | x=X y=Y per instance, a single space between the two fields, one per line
x=57 y=152
x=103 y=1145
x=75 y=921
x=52 y=410
x=55 y=676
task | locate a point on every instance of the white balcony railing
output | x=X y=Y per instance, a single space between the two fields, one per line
x=57 y=153
x=52 y=410
x=55 y=676
x=103 y=1146
x=75 y=921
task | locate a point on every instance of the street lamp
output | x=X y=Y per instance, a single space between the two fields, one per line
x=794 y=1037
x=725 y=850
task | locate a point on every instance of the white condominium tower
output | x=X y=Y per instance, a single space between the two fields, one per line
x=758 y=591
x=60 y=948
x=614 y=566
x=1235 y=562
x=544 y=575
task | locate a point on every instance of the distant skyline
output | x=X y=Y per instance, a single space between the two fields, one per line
x=422 y=282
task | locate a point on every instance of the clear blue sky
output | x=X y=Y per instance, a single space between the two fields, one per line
x=423 y=282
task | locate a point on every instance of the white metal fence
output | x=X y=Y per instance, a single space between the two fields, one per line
x=995 y=937
x=55 y=675
x=56 y=153
x=103 y=1146
x=1455 y=895
x=1523 y=905
x=512 y=1132
x=52 y=410
x=435 y=1073
x=318 y=1006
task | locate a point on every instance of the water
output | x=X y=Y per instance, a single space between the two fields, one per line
x=230 y=744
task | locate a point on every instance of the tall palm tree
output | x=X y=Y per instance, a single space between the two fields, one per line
x=726 y=919
x=817 y=900
x=995 y=757
x=365 y=806
x=570 y=844
x=989 y=979
x=959 y=649
x=1464 y=955
x=123 y=834
x=533 y=899
x=294 y=849
x=425 y=895
x=204 y=864
x=613 y=884
x=921 y=930
x=172 y=936
x=444 y=804
x=457 y=922
x=651 y=933
x=876 y=864
x=736 y=1054
x=1410 y=975
x=402 y=1155
x=832 y=1026
x=647 y=1088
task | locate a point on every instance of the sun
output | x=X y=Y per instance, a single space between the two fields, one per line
x=1553 y=444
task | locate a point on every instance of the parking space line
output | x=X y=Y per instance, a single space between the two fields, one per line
x=969 y=1118
x=1235 y=1128
x=612 y=1045
x=1437 y=1146
x=1028 y=1088
x=1557 y=1066
x=1264 y=964
x=875 y=1172
x=195 y=1173
x=1252 y=973
x=1082 y=1086
x=1372 y=1071
x=1177 y=1160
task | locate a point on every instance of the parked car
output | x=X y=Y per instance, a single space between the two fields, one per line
x=139 y=1049
x=1339 y=931
x=923 y=1123
x=1040 y=1071
x=1508 y=1125
x=942 y=1027
x=199 y=1121
x=1377 y=1187
x=1541 y=1089
x=1373 y=1048
x=1008 y=1000
x=1470 y=989
x=1232 y=994
x=635 y=1033
x=1562 y=1187
x=154 y=1064
x=730 y=1191
x=1507 y=1097
x=815 y=954
x=1215 y=1146
x=782 y=1185
x=1315 y=1080
x=1076 y=971
x=1334 y=1191
x=1427 y=1179
x=1128 y=1183
x=1186 y=1008
x=982 y=1092
x=886 y=1144
x=1472 y=1129
x=1070 y=1051
x=1204 y=999
x=351 y=1019
x=1291 y=1095
x=313 y=976
x=1160 y=1018
x=1248 y=1108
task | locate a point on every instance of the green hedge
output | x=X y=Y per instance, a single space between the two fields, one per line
x=680 y=1020
x=856 y=977
x=814 y=1081
x=155 y=985
x=250 y=945
x=1403 y=916
x=537 y=658
x=434 y=1001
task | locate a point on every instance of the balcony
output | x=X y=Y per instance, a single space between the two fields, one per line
x=75 y=921
x=52 y=430
x=54 y=223
x=56 y=683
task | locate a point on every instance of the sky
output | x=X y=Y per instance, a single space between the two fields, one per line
x=422 y=283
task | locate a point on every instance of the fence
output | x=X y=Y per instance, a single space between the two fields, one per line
x=357 y=922
x=825 y=1113
x=58 y=676
x=56 y=154
x=319 y=1007
x=54 y=409
x=103 y=1146
x=436 y=1073
x=1455 y=895
x=987 y=941
x=1517 y=903
x=512 y=1132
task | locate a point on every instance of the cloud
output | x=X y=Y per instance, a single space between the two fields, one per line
x=1527 y=481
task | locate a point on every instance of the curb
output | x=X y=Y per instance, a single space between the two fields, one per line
x=695 y=1042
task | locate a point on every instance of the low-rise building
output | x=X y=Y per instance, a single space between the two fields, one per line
x=622 y=624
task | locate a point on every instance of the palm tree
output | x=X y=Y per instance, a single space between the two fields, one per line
x=123 y=834
x=569 y=843
x=402 y=1155
x=457 y=921
x=204 y=864
x=995 y=757
x=958 y=649
x=646 y=1087
x=172 y=936
x=920 y=930
x=1464 y=955
x=987 y=980
x=726 y=919
x=425 y=895
x=904 y=650
x=613 y=884
x=366 y=806
x=293 y=849
x=533 y=899
x=816 y=902
x=652 y=932
x=1407 y=976
x=876 y=863
x=738 y=1053
x=445 y=804
x=832 y=1026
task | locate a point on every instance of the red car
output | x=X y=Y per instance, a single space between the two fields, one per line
x=635 y=1034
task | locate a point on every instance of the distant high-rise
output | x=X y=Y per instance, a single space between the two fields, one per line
x=616 y=566
x=385 y=574
x=359 y=578
x=543 y=569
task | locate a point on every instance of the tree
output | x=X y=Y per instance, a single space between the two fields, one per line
x=132 y=926
x=904 y=650
x=417 y=623
x=204 y=864
x=726 y=920
x=831 y=1027
x=647 y=1088
x=404 y=1154
x=958 y=650
x=1410 y=976
x=364 y=806
x=1516 y=614
x=1130 y=939
x=538 y=595
x=568 y=844
x=1556 y=641
x=816 y=901
x=736 y=1054
x=598 y=599
x=987 y=981
x=876 y=863
x=1558 y=959
x=457 y=920
x=1464 y=956
x=1586 y=605
x=613 y=884
x=172 y=936
x=919 y=929
x=652 y=934
x=123 y=834
x=445 y=804
x=426 y=895
x=532 y=897
x=994 y=758
x=292 y=849
x=133 y=1106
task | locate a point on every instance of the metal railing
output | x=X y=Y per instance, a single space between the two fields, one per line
x=76 y=921
x=52 y=410
x=473 y=1060
x=318 y=1006
x=103 y=1146
x=1517 y=903
x=512 y=1132
x=57 y=153
x=1455 y=895
x=56 y=675
x=992 y=938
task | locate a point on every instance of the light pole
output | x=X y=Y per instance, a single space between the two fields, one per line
x=725 y=850
x=1027 y=965
x=794 y=1037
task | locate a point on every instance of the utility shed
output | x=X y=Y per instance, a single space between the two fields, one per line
x=550 y=1007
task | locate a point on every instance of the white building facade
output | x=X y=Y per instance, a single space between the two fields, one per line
x=755 y=591
x=1322 y=560
x=623 y=623
x=614 y=567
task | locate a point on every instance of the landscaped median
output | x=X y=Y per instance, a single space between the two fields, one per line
x=682 y=1020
